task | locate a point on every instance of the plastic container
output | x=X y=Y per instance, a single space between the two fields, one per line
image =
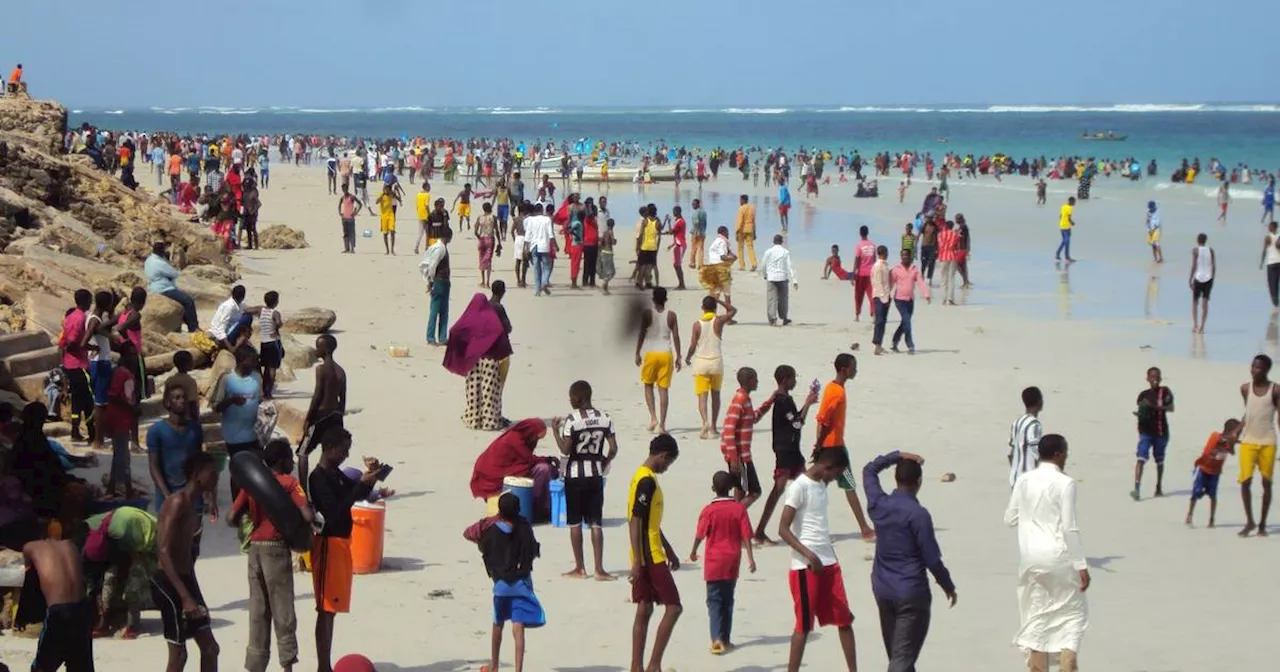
x=368 y=533
x=397 y=351
x=559 y=514
x=522 y=488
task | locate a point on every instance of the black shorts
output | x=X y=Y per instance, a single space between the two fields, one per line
x=1201 y=290
x=584 y=501
x=313 y=435
x=177 y=627
x=272 y=355
x=748 y=481
x=647 y=258
x=788 y=461
x=66 y=638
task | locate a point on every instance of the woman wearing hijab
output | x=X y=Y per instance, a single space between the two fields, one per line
x=478 y=348
x=511 y=454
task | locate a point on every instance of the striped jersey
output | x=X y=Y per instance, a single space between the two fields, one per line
x=587 y=431
x=1024 y=446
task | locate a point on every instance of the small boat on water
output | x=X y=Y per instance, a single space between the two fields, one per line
x=1109 y=136
x=628 y=174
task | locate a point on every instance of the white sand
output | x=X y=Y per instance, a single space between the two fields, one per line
x=1163 y=597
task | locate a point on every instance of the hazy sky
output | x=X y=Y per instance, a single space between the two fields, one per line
x=367 y=53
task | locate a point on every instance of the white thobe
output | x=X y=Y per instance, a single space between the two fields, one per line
x=1054 y=613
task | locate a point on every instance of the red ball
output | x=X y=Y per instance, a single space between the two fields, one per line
x=353 y=662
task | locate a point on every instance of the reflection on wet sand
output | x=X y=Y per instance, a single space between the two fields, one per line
x=1199 y=350
x=1153 y=295
x=1064 y=289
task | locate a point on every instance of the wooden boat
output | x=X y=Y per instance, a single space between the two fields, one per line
x=627 y=174
x=1103 y=137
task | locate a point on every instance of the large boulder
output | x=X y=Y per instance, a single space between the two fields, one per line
x=41 y=122
x=298 y=355
x=161 y=314
x=309 y=320
x=281 y=237
x=45 y=312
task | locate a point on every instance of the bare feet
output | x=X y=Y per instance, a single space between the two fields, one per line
x=763 y=540
x=1262 y=531
x=602 y=575
x=575 y=574
x=705 y=433
x=1189 y=521
x=1211 y=524
x=653 y=424
x=1248 y=529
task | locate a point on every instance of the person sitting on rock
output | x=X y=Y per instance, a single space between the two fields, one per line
x=162 y=279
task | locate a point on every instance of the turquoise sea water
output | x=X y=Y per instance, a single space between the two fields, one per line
x=1248 y=134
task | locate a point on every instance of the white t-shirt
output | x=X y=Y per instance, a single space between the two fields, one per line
x=225 y=317
x=1273 y=254
x=538 y=232
x=717 y=250
x=237 y=156
x=809 y=499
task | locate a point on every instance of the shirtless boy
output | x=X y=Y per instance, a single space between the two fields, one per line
x=328 y=402
x=174 y=589
x=67 y=634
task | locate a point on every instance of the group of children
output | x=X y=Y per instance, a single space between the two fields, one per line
x=587 y=440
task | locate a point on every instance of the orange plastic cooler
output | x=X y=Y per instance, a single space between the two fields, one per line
x=367 y=534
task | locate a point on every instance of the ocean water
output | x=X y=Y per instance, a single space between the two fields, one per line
x=1248 y=134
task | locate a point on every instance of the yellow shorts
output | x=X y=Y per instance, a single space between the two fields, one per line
x=655 y=369
x=1153 y=236
x=1253 y=456
x=388 y=223
x=464 y=209
x=703 y=384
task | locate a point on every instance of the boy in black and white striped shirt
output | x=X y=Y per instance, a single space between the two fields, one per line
x=1024 y=436
x=581 y=437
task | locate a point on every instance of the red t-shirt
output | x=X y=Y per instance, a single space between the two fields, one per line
x=117 y=418
x=1210 y=461
x=263 y=528
x=725 y=526
x=74 y=356
x=677 y=232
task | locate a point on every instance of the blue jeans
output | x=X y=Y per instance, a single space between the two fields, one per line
x=720 y=608
x=439 y=312
x=880 y=313
x=905 y=309
x=541 y=270
x=188 y=308
x=1065 y=245
x=1150 y=445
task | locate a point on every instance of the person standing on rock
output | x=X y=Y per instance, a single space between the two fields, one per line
x=162 y=279
x=75 y=359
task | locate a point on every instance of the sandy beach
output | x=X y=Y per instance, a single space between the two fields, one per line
x=1160 y=592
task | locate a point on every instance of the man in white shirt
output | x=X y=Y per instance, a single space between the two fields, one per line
x=1052 y=572
x=781 y=278
x=1024 y=436
x=538 y=235
x=226 y=317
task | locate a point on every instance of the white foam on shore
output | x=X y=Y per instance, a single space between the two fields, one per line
x=755 y=110
x=538 y=110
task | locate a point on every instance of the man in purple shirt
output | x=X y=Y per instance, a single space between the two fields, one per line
x=905 y=548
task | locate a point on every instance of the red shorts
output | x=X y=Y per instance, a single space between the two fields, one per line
x=790 y=473
x=655 y=585
x=820 y=597
x=782 y=209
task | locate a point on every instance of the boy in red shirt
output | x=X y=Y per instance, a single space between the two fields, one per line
x=1209 y=467
x=271 y=567
x=118 y=418
x=723 y=524
x=735 y=438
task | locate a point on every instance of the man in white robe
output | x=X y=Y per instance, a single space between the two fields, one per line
x=1052 y=573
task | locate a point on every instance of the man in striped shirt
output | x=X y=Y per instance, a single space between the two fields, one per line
x=1024 y=436
x=948 y=246
x=735 y=439
x=581 y=438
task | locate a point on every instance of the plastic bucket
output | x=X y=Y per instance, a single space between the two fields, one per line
x=522 y=488
x=367 y=534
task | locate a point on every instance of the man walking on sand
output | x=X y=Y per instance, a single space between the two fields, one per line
x=948 y=248
x=745 y=232
x=864 y=257
x=781 y=278
x=831 y=421
x=659 y=333
x=652 y=558
x=1258 y=441
x=1052 y=572
x=699 y=234
x=1025 y=435
x=1204 y=266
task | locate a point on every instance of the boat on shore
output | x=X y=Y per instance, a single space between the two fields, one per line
x=628 y=174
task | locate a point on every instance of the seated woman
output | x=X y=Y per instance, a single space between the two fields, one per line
x=120 y=556
x=511 y=454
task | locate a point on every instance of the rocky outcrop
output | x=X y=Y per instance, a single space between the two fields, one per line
x=43 y=124
x=161 y=315
x=281 y=237
x=309 y=320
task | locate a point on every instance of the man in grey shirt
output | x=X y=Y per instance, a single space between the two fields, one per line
x=699 y=234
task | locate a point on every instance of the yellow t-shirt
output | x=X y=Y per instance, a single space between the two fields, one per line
x=645 y=500
x=424 y=205
x=649 y=235
x=386 y=205
x=1064 y=219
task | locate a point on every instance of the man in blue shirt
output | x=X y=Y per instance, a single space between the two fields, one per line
x=784 y=203
x=171 y=442
x=236 y=397
x=162 y=279
x=905 y=548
